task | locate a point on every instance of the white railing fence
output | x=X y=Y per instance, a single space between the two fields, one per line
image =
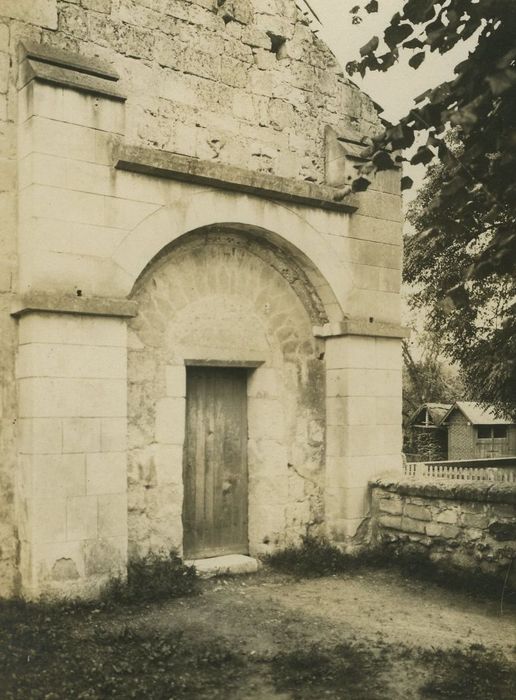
x=499 y=469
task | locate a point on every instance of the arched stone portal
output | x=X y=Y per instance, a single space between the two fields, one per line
x=179 y=209
x=221 y=297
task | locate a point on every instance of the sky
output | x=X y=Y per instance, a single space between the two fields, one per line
x=396 y=89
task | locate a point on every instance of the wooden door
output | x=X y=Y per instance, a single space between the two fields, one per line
x=215 y=462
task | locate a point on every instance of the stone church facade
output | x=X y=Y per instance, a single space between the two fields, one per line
x=199 y=334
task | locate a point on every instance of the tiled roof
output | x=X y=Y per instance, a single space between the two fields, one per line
x=477 y=414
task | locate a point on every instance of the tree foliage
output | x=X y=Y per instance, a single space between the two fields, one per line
x=478 y=331
x=462 y=255
x=427 y=379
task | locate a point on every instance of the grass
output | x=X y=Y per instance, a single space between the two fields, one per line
x=476 y=673
x=315 y=557
x=53 y=653
x=100 y=651
x=347 y=670
x=58 y=655
x=58 y=652
x=152 y=578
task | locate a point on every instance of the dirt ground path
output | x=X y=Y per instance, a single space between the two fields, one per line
x=363 y=635
x=410 y=630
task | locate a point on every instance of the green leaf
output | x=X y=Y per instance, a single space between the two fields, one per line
x=370 y=47
x=371 y=6
x=361 y=184
x=400 y=135
x=406 y=183
x=501 y=81
x=423 y=96
x=395 y=35
x=351 y=67
x=418 y=11
x=422 y=156
x=414 y=43
x=463 y=117
x=383 y=161
x=417 y=59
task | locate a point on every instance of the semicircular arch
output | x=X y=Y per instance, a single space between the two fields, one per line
x=275 y=223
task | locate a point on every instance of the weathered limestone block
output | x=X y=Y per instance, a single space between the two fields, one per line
x=43 y=12
x=449 y=516
x=409 y=524
x=417 y=512
x=390 y=521
x=391 y=505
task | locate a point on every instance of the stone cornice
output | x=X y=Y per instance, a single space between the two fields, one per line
x=49 y=65
x=149 y=161
x=361 y=327
x=41 y=302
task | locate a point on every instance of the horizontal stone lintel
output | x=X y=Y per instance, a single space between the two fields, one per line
x=63 y=77
x=244 y=364
x=483 y=491
x=149 y=161
x=361 y=327
x=69 y=304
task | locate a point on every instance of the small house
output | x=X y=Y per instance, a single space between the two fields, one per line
x=477 y=432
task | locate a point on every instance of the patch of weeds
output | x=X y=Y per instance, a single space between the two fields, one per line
x=151 y=578
x=469 y=675
x=47 y=654
x=316 y=556
x=416 y=564
x=345 y=671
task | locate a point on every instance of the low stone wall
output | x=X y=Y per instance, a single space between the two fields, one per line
x=467 y=524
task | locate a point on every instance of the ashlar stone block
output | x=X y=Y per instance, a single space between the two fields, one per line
x=112 y=515
x=106 y=473
x=81 y=435
x=40 y=435
x=113 y=434
x=75 y=330
x=48 y=520
x=81 y=518
x=57 y=476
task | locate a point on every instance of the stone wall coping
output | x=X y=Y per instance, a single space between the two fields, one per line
x=150 y=161
x=362 y=327
x=484 y=491
x=70 y=304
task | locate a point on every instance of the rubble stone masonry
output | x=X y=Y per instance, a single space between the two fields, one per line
x=469 y=524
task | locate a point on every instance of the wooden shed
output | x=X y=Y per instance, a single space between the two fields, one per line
x=477 y=432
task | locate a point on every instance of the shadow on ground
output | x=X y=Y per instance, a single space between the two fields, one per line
x=359 y=637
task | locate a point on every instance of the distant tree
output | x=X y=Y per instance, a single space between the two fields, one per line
x=476 y=331
x=427 y=379
x=462 y=255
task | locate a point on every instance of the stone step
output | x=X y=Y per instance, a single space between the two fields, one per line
x=231 y=564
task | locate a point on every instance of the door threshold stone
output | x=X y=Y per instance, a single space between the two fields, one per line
x=231 y=564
